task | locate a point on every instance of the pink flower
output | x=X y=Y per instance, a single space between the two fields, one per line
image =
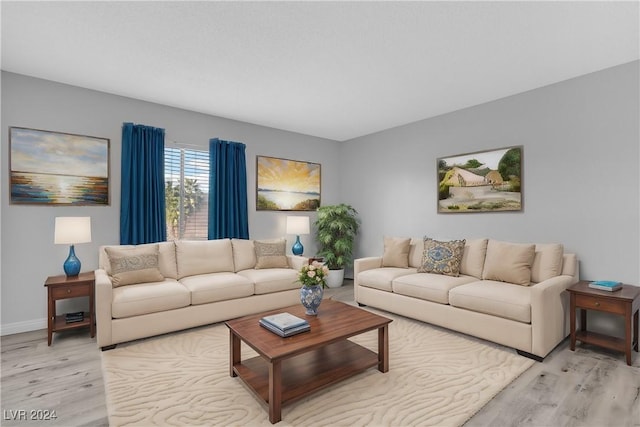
x=311 y=273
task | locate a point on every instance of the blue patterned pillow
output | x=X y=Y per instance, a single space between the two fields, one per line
x=442 y=257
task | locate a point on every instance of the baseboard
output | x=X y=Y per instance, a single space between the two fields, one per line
x=26 y=326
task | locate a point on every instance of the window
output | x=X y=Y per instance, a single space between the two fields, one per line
x=186 y=176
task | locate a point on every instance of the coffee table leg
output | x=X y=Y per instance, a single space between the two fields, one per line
x=275 y=391
x=234 y=345
x=383 y=348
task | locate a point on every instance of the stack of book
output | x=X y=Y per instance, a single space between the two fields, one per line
x=284 y=324
x=74 y=317
x=605 y=285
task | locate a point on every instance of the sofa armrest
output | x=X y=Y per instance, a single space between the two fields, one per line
x=363 y=264
x=550 y=313
x=104 y=299
x=296 y=261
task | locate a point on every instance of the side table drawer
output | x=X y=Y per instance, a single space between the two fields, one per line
x=599 y=303
x=70 y=291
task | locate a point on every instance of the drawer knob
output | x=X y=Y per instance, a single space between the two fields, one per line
x=69 y=291
x=597 y=304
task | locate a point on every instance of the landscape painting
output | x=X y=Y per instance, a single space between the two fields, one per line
x=287 y=185
x=53 y=168
x=484 y=181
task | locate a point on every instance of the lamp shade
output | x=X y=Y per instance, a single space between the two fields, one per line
x=297 y=225
x=72 y=229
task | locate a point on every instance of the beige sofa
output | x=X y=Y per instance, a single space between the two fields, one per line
x=193 y=283
x=531 y=316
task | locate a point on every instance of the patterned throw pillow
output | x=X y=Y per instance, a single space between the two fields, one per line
x=442 y=257
x=270 y=254
x=134 y=265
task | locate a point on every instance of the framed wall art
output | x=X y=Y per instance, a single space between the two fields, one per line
x=54 y=168
x=484 y=181
x=287 y=185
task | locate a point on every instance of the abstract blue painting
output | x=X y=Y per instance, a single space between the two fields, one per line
x=53 y=168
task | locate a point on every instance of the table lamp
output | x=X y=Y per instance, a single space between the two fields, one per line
x=297 y=225
x=72 y=230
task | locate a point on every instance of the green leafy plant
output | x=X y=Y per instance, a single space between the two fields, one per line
x=337 y=227
x=192 y=199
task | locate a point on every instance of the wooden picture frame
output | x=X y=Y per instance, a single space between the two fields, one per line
x=55 y=168
x=482 y=181
x=287 y=185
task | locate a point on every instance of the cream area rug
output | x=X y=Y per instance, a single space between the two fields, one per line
x=435 y=377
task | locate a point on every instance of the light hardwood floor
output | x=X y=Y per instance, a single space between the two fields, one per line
x=588 y=387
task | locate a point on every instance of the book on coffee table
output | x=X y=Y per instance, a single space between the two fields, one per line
x=606 y=285
x=287 y=333
x=284 y=321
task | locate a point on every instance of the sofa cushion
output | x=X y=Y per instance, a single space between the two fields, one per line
x=509 y=262
x=429 y=286
x=396 y=252
x=442 y=257
x=547 y=262
x=131 y=265
x=212 y=287
x=270 y=254
x=496 y=298
x=272 y=280
x=416 y=248
x=475 y=251
x=145 y=298
x=380 y=278
x=244 y=254
x=203 y=256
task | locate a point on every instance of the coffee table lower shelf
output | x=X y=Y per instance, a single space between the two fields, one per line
x=308 y=372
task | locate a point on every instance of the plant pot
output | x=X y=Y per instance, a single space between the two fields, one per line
x=311 y=297
x=335 y=278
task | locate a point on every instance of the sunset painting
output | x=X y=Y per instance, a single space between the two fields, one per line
x=287 y=185
x=58 y=168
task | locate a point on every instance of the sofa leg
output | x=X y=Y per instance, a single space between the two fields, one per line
x=361 y=304
x=108 y=347
x=530 y=356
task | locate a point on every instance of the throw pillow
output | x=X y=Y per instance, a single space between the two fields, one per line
x=547 y=262
x=396 y=252
x=134 y=265
x=508 y=262
x=270 y=254
x=442 y=257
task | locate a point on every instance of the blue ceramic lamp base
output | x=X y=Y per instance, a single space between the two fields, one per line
x=297 y=247
x=72 y=264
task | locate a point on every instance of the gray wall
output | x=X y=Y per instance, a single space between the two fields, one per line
x=581 y=179
x=28 y=252
x=580 y=183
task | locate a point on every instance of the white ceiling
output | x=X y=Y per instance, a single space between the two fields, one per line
x=337 y=70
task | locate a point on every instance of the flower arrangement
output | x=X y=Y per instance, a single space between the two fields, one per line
x=313 y=274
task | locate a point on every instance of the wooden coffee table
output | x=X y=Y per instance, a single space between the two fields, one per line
x=288 y=369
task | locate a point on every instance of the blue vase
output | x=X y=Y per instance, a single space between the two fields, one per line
x=72 y=264
x=297 y=247
x=311 y=297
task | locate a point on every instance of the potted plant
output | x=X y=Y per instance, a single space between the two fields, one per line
x=336 y=230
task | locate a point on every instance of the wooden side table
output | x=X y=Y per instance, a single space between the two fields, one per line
x=63 y=287
x=624 y=302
